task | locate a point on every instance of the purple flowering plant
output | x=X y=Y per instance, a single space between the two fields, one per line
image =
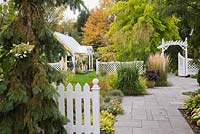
x=152 y=75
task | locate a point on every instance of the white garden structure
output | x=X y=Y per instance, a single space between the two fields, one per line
x=185 y=65
x=75 y=50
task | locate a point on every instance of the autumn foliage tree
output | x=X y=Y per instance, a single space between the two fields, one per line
x=97 y=26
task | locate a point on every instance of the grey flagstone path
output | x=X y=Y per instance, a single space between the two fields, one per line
x=158 y=112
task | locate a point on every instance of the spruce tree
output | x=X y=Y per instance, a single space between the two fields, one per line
x=27 y=98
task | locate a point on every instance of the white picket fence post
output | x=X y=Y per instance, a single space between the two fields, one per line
x=78 y=111
x=96 y=108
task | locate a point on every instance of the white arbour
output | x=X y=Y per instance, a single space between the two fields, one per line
x=184 y=64
x=183 y=44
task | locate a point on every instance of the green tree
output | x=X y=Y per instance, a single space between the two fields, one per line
x=6 y=14
x=188 y=11
x=81 y=20
x=54 y=16
x=27 y=98
x=139 y=27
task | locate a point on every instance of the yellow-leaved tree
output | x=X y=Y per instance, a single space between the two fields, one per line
x=97 y=25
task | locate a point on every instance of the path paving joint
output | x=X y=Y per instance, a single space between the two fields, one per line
x=157 y=113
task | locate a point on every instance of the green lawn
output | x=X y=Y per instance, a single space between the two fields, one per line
x=84 y=78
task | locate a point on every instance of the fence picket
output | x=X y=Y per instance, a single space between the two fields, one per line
x=78 y=108
x=87 y=113
x=70 y=108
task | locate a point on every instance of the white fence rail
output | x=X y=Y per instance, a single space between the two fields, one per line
x=114 y=66
x=192 y=68
x=83 y=108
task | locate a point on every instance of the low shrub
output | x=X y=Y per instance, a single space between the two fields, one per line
x=156 y=62
x=192 y=103
x=107 y=99
x=113 y=106
x=198 y=77
x=107 y=121
x=111 y=79
x=128 y=81
x=114 y=95
x=104 y=91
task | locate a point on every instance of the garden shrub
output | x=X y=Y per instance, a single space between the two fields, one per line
x=102 y=72
x=192 y=103
x=156 y=62
x=107 y=121
x=107 y=99
x=104 y=91
x=113 y=107
x=198 y=77
x=111 y=79
x=114 y=94
x=129 y=81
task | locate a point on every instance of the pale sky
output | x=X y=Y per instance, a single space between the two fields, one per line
x=90 y=4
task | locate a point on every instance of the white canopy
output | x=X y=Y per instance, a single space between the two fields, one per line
x=72 y=45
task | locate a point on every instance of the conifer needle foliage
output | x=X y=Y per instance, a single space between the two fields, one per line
x=27 y=98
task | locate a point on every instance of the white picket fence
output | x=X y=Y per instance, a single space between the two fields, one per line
x=191 y=69
x=81 y=107
x=114 y=66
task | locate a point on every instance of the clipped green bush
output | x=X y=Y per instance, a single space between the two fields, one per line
x=198 y=77
x=114 y=95
x=192 y=103
x=107 y=99
x=107 y=121
x=129 y=81
x=113 y=106
x=111 y=79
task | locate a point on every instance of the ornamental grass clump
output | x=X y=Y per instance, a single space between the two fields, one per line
x=159 y=63
x=130 y=82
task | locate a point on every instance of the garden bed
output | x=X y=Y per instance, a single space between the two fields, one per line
x=194 y=127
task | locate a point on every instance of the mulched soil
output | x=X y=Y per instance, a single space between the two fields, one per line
x=194 y=127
